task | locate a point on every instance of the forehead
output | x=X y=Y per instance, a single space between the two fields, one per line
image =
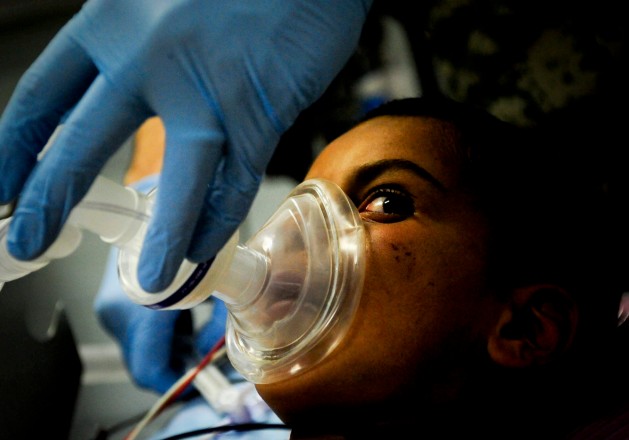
x=428 y=142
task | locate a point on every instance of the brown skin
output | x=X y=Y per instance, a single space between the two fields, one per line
x=425 y=299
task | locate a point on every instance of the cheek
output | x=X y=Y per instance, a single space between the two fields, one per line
x=411 y=254
x=397 y=294
x=426 y=281
x=399 y=259
x=399 y=269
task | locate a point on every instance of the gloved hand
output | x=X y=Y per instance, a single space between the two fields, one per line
x=227 y=78
x=158 y=346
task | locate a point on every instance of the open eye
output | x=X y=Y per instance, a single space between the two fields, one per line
x=387 y=205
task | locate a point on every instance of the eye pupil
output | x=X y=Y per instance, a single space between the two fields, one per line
x=397 y=205
x=388 y=205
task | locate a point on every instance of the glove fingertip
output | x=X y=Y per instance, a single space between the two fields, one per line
x=156 y=269
x=27 y=238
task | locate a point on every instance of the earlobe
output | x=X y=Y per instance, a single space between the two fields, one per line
x=538 y=324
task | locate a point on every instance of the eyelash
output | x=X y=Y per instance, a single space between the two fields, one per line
x=398 y=201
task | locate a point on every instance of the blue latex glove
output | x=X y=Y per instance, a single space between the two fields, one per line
x=158 y=346
x=227 y=77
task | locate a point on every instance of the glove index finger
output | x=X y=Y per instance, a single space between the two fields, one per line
x=42 y=97
x=191 y=159
x=96 y=128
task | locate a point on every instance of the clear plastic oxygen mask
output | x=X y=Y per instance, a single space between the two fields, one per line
x=291 y=290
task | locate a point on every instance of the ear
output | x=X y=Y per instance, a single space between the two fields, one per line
x=534 y=327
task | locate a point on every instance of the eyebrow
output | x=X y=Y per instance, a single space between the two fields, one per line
x=369 y=172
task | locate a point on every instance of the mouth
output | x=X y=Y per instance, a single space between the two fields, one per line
x=284 y=294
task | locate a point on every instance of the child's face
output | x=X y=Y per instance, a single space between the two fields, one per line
x=425 y=303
